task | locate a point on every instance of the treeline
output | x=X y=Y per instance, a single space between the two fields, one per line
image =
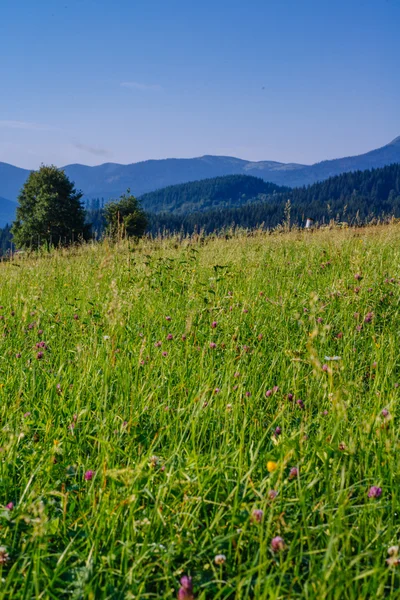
x=249 y=202
x=356 y=197
x=208 y=194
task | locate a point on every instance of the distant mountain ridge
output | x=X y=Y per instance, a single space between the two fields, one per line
x=110 y=180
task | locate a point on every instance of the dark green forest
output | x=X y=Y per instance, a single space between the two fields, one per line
x=209 y=194
x=241 y=201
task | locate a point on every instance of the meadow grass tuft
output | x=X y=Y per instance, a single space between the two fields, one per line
x=221 y=410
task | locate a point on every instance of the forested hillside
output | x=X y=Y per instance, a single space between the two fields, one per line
x=352 y=197
x=207 y=194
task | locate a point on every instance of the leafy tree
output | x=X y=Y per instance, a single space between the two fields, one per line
x=125 y=217
x=50 y=211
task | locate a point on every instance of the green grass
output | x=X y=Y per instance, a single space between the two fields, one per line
x=179 y=467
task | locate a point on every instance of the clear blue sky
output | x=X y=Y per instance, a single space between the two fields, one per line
x=95 y=81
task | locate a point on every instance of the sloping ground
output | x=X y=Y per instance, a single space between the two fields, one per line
x=227 y=410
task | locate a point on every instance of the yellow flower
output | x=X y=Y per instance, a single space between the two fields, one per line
x=272 y=466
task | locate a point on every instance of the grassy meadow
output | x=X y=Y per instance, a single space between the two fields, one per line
x=222 y=409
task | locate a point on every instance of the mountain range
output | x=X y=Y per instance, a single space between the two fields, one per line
x=110 y=180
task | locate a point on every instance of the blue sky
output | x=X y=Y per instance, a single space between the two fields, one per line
x=95 y=81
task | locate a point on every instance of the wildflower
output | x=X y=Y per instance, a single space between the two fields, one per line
x=27 y=414
x=39 y=355
x=275 y=389
x=393 y=559
x=185 y=592
x=4 y=556
x=76 y=317
x=356 y=315
x=277 y=431
x=356 y=290
x=340 y=335
x=290 y=397
x=271 y=466
x=320 y=320
x=248 y=394
x=385 y=413
x=260 y=337
x=237 y=374
x=183 y=337
x=257 y=515
x=18 y=355
x=277 y=544
x=268 y=393
x=325 y=367
x=229 y=407
x=158 y=344
x=300 y=404
x=342 y=446
x=89 y=475
x=359 y=327
x=245 y=310
x=358 y=276
x=213 y=345
x=220 y=559
x=293 y=473
x=272 y=494
x=325 y=412
x=217 y=391
x=40 y=332
x=165 y=353
x=368 y=317
x=214 y=324
x=168 y=318
x=374 y=492
x=170 y=336
x=10 y=506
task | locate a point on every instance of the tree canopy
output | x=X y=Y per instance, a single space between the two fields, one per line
x=50 y=211
x=125 y=217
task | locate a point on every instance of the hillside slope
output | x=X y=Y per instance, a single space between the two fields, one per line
x=110 y=180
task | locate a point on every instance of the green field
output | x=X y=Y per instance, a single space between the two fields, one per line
x=140 y=436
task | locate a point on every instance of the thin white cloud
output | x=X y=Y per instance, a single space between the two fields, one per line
x=23 y=125
x=91 y=150
x=143 y=87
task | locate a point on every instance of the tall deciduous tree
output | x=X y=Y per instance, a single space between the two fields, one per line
x=125 y=217
x=50 y=211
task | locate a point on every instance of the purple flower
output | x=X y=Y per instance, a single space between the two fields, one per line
x=275 y=389
x=257 y=515
x=293 y=473
x=40 y=332
x=277 y=544
x=268 y=393
x=76 y=317
x=216 y=391
x=374 y=492
x=324 y=367
x=214 y=324
x=272 y=494
x=18 y=355
x=300 y=404
x=168 y=318
x=248 y=394
x=358 y=276
x=183 y=337
x=290 y=397
x=213 y=345
x=27 y=414
x=245 y=310
x=320 y=320
x=165 y=353
x=170 y=336
x=368 y=317
x=185 y=592
x=385 y=413
x=157 y=344
x=89 y=475
x=39 y=355
x=10 y=506
x=237 y=374
x=277 y=431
